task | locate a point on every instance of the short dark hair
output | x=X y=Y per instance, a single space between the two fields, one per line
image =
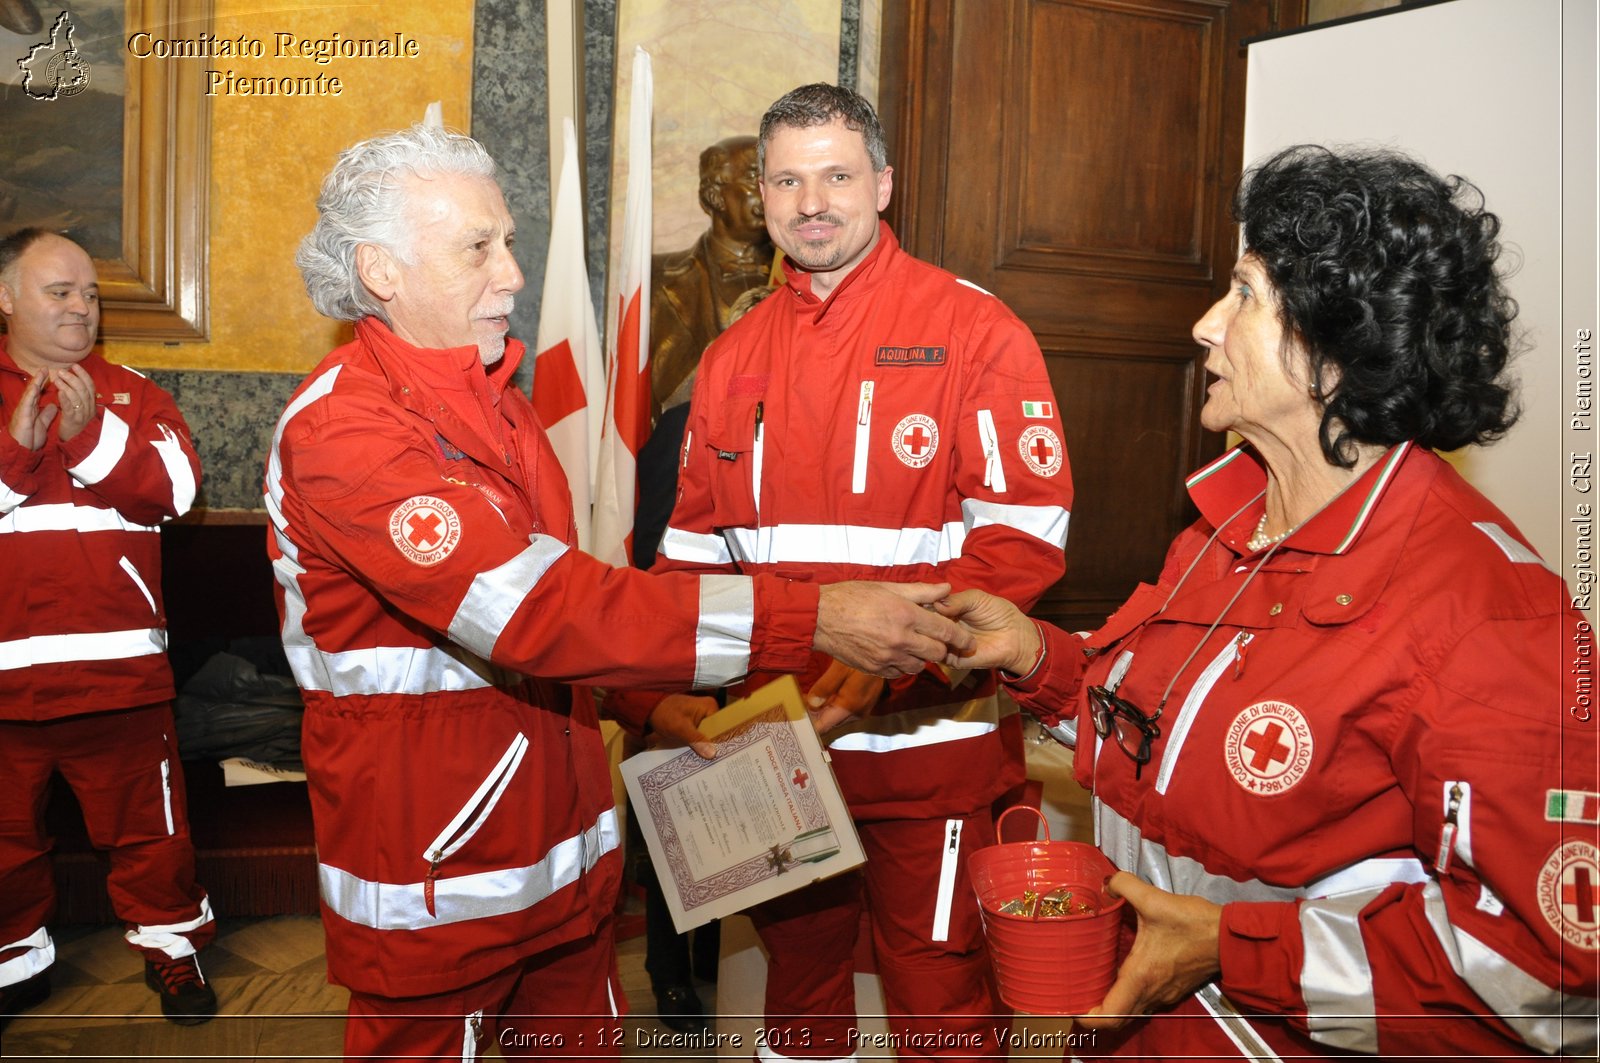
x=17 y=242
x=819 y=104
x=1387 y=274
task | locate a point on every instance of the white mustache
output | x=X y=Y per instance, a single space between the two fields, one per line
x=503 y=310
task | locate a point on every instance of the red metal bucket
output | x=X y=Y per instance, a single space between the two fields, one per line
x=1060 y=966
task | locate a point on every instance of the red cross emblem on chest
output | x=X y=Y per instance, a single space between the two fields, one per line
x=1268 y=747
x=915 y=440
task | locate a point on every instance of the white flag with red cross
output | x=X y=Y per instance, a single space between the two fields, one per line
x=568 y=375
x=628 y=367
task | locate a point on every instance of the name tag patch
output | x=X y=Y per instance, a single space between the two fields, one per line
x=910 y=356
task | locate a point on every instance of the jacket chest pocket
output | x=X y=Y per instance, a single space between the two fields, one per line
x=736 y=449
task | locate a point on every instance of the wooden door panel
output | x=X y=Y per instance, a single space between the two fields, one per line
x=1129 y=423
x=1095 y=191
x=1075 y=157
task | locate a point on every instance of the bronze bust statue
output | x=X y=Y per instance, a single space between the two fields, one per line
x=693 y=292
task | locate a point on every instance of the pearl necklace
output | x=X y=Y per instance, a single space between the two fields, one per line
x=1261 y=540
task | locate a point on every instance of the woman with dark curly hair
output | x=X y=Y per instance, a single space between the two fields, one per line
x=1337 y=750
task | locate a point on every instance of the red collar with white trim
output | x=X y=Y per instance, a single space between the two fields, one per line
x=1229 y=493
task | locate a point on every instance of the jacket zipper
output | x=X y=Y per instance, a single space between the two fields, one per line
x=994 y=473
x=166 y=791
x=1231 y=653
x=133 y=574
x=858 y=479
x=472 y=815
x=1452 y=837
x=756 y=450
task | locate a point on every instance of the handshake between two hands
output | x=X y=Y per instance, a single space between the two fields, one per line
x=894 y=629
x=880 y=631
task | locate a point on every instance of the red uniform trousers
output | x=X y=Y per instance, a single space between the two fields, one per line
x=123 y=766
x=565 y=1002
x=940 y=995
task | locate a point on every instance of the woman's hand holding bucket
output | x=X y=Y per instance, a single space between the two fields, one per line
x=1174 y=953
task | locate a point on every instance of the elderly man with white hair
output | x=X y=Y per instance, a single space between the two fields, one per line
x=434 y=607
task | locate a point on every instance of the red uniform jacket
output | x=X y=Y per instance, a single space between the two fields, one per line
x=433 y=605
x=1380 y=763
x=82 y=628
x=904 y=430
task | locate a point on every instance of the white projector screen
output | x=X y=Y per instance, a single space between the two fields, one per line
x=1483 y=89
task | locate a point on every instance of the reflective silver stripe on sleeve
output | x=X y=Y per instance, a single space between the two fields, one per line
x=846 y=544
x=10 y=498
x=375 y=670
x=694 y=548
x=93 y=646
x=496 y=594
x=722 y=636
x=930 y=725
x=179 y=471
x=64 y=516
x=1547 y=1019
x=1336 y=978
x=1046 y=523
x=106 y=453
x=402 y=906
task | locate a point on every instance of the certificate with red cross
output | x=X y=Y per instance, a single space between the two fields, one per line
x=761 y=819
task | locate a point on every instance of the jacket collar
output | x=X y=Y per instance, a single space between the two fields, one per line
x=449 y=369
x=448 y=387
x=1229 y=493
x=860 y=280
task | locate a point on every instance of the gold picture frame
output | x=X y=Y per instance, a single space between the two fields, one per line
x=156 y=290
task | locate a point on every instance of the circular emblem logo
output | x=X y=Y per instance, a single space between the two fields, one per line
x=1041 y=449
x=916 y=439
x=67 y=74
x=1569 y=893
x=426 y=529
x=1268 y=747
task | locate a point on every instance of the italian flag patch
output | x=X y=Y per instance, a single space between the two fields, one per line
x=1571 y=806
x=1039 y=409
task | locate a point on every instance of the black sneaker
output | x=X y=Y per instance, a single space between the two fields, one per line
x=186 y=997
x=20 y=996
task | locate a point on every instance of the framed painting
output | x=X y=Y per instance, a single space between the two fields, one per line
x=114 y=150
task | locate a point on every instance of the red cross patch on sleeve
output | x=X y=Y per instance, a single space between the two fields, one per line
x=425 y=529
x=1569 y=892
x=1041 y=449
